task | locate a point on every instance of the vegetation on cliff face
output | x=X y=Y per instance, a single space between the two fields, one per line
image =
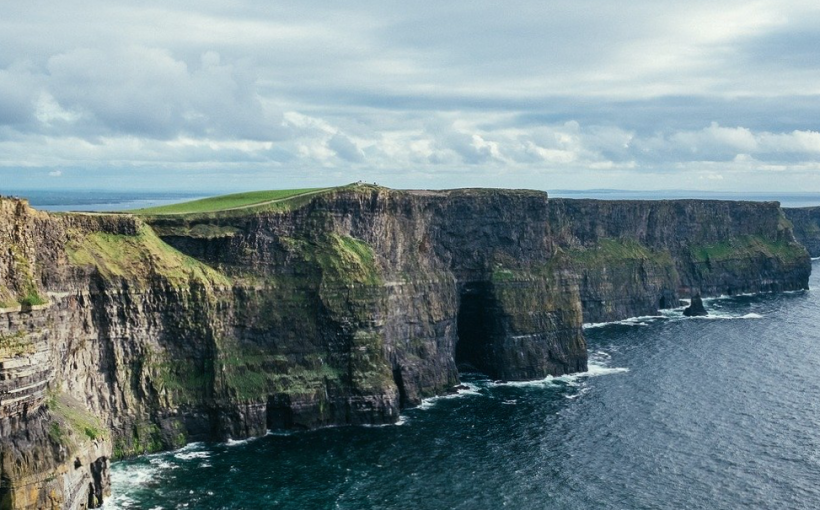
x=140 y=439
x=27 y=291
x=138 y=258
x=747 y=246
x=15 y=344
x=609 y=251
x=71 y=422
x=342 y=260
x=806 y=222
x=251 y=374
x=335 y=289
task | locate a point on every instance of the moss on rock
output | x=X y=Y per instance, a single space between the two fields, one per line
x=138 y=258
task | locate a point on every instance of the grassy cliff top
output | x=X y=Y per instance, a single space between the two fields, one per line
x=277 y=200
x=229 y=202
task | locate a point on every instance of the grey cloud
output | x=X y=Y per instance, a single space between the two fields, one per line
x=345 y=148
x=18 y=93
x=147 y=92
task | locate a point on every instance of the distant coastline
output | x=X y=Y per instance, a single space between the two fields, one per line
x=786 y=199
x=104 y=200
x=96 y=200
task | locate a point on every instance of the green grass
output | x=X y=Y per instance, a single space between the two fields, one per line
x=138 y=258
x=32 y=298
x=227 y=202
x=609 y=250
x=252 y=375
x=747 y=246
x=72 y=422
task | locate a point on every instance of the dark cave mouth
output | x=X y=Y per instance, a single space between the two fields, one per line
x=475 y=324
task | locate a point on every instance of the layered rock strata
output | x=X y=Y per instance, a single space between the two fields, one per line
x=122 y=335
x=806 y=221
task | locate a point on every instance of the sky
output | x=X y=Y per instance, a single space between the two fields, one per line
x=580 y=94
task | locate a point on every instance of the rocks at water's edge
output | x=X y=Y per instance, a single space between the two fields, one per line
x=121 y=336
x=695 y=308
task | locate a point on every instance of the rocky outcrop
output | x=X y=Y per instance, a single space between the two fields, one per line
x=121 y=336
x=695 y=308
x=806 y=222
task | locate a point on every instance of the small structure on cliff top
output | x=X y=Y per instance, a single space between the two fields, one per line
x=695 y=308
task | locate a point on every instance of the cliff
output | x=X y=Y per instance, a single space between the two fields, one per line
x=122 y=335
x=806 y=221
x=635 y=257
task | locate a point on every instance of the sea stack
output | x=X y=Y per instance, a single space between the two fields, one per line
x=695 y=308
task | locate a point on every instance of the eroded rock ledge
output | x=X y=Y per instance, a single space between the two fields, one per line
x=122 y=335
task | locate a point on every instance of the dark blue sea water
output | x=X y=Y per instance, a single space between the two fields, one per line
x=720 y=412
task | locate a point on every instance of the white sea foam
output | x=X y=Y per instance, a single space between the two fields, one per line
x=279 y=432
x=237 y=442
x=162 y=463
x=124 y=480
x=128 y=478
x=583 y=391
x=192 y=455
x=401 y=421
x=642 y=320
x=676 y=315
x=798 y=291
x=716 y=315
x=472 y=389
x=187 y=448
x=594 y=369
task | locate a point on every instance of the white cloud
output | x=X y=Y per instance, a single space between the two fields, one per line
x=55 y=173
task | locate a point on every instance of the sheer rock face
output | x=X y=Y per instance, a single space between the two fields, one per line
x=806 y=221
x=635 y=257
x=121 y=336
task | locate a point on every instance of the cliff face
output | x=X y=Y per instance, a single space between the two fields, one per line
x=121 y=336
x=806 y=221
x=635 y=257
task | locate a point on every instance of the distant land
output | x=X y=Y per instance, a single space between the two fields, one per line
x=107 y=200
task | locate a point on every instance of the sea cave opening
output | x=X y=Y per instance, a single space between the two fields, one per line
x=475 y=325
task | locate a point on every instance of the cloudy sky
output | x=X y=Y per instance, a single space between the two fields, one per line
x=576 y=94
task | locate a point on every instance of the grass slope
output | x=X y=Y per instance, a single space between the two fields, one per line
x=139 y=258
x=227 y=202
